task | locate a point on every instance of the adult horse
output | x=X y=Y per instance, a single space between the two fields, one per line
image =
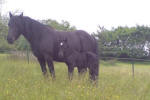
x=44 y=41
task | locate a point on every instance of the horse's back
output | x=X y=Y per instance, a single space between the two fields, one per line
x=86 y=40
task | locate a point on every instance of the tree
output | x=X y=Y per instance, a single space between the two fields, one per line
x=133 y=42
x=63 y=26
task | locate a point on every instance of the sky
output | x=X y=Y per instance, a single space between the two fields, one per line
x=85 y=14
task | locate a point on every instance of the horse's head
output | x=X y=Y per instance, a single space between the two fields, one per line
x=63 y=46
x=15 y=27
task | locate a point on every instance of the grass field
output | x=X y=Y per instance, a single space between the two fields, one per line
x=22 y=81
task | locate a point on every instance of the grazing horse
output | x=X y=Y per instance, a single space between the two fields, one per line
x=44 y=41
x=81 y=60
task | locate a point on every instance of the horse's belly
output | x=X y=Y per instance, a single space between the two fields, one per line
x=59 y=59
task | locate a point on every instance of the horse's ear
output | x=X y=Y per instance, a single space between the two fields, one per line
x=21 y=15
x=10 y=15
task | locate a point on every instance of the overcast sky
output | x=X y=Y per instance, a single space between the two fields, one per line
x=85 y=14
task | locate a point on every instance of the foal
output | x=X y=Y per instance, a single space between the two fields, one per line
x=81 y=60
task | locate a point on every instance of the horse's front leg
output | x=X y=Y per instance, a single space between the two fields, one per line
x=51 y=67
x=42 y=62
x=70 y=71
x=81 y=70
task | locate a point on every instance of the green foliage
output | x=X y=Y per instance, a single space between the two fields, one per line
x=124 y=42
x=63 y=26
x=22 y=44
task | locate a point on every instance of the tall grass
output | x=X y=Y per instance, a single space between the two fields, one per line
x=22 y=81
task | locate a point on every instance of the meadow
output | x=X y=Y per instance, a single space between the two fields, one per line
x=22 y=81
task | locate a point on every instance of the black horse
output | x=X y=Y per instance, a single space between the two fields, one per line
x=81 y=60
x=44 y=41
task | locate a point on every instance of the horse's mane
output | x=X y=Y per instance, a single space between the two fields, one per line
x=33 y=30
x=30 y=20
x=39 y=26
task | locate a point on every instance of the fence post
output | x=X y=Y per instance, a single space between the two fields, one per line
x=133 y=68
x=28 y=54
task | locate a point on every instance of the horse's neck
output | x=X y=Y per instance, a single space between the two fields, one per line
x=33 y=31
x=27 y=33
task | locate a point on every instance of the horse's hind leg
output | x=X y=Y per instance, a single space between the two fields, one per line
x=51 y=67
x=42 y=64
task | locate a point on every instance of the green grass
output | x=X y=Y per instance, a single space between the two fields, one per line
x=22 y=81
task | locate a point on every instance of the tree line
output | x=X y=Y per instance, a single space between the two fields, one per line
x=122 y=42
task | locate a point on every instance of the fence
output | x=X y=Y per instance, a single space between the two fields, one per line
x=29 y=56
x=132 y=60
x=21 y=54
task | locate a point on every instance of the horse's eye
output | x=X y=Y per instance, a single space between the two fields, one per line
x=61 y=44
